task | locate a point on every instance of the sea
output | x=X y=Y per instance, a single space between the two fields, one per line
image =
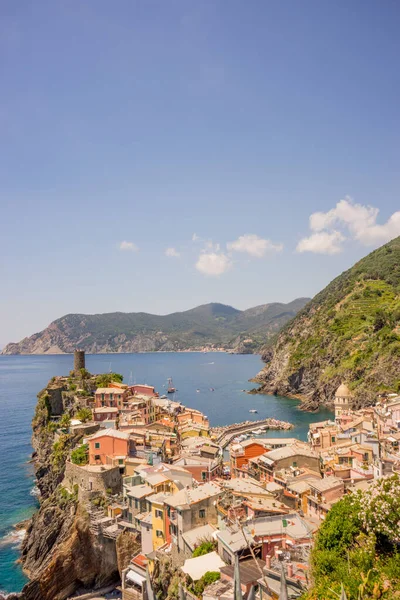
x=214 y=383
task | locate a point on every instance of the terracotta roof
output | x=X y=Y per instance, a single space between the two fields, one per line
x=114 y=433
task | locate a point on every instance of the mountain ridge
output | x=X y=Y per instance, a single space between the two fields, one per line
x=212 y=324
x=349 y=332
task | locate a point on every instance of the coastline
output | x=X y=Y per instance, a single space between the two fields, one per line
x=140 y=352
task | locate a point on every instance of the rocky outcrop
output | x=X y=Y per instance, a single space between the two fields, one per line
x=61 y=555
x=350 y=332
x=60 y=552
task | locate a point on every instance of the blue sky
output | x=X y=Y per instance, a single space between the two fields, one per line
x=129 y=127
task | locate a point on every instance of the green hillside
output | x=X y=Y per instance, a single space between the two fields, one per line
x=207 y=325
x=350 y=332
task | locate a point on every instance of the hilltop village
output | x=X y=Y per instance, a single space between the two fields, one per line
x=212 y=513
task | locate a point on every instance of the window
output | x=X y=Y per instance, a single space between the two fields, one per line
x=136 y=503
x=111 y=396
x=294 y=463
x=97 y=457
x=333 y=439
x=159 y=533
x=159 y=514
x=120 y=461
x=202 y=513
x=204 y=475
x=97 y=444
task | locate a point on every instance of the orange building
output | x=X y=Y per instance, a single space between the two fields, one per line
x=107 y=445
x=242 y=452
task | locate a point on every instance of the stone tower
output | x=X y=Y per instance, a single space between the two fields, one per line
x=79 y=361
x=343 y=398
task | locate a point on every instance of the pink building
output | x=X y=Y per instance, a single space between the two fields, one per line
x=143 y=389
x=113 y=397
x=105 y=413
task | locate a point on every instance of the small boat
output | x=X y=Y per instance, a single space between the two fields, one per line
x=212 y=390
x=253 y=410
x=171 y=389
x=198 y=391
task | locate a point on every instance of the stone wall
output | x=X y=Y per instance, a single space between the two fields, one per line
x=92 y=481
x=56 y=401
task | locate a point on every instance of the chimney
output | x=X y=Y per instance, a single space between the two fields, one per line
x=268 y=561
x=290 y=570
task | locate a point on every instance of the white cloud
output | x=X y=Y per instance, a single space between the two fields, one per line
x=213 y=263
x=322 y=243
x=172 y=252
x=128 y=246
x=358 y=220
x=254 y=245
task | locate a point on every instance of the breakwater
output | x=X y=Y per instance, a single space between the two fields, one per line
x=223 y=435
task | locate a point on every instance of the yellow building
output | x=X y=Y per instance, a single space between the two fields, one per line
x=159 y=520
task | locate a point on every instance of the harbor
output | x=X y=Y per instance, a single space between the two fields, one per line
x=225 y=434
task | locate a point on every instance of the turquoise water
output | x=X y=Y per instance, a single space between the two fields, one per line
x=21 y=377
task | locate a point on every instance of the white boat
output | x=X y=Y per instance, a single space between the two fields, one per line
x=253 y=410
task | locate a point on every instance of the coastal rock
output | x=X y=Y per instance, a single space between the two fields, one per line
x=62 y=555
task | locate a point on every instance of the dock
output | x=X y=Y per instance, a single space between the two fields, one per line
x=224 y=435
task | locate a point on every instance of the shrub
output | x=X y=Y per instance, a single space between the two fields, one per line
x=205 y=547
x=79 y=456
x=206 y=580
x=84 y=415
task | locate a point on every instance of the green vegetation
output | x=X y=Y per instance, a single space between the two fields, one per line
x=64 y=497
x=79 y=456
x=205 y=547
x=105 y=379
x=350 y=331
x=60 y=452
x=65 y=420
x=209 y=324
x=357 y=545
x=84 y=414
x=200 y=585
x=42 y=411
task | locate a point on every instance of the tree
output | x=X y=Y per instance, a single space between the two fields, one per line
x=84 y=414
x=105 y=379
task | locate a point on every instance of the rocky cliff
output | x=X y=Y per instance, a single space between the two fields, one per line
x=350 y=332
x=60 y=553
x=208 y=325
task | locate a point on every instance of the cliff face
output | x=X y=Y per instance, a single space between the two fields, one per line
x=60 y=553
x=350 y=332
x=211 y=324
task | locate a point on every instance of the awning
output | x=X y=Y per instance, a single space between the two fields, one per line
x=134 y=577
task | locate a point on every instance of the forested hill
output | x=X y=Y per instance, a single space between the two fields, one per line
x=210 y=324
x=350 y=332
